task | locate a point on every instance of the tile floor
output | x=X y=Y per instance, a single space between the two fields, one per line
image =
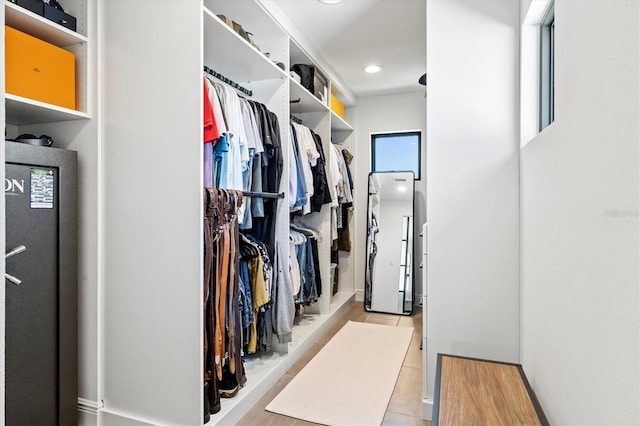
x=405 y=406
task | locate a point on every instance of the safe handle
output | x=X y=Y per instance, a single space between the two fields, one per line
x=13 y=252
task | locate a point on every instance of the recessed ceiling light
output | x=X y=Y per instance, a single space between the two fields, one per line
x=329 y=1
x=372 y=69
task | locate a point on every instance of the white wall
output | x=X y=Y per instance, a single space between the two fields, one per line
x=472 y=181
x=580 y=223
x=378 y=114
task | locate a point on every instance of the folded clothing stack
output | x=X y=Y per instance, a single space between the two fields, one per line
x=238 y=29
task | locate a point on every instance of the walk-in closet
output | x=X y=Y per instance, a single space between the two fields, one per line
x=159 y=90
x=222 y=229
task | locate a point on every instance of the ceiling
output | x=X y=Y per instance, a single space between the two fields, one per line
x=355 y=33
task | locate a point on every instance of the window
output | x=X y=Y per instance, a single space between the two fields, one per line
x=547 y=51
x=398 y=151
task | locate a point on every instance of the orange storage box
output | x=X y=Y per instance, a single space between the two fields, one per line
x=337 y=106
x=38 y=70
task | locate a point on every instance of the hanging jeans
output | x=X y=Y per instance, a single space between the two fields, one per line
x=308 y=293
x=221 y=162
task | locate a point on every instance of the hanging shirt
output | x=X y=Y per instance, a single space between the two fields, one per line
x=238 y=143
x=321 y=190
x=208 y=165
x=216 y=107
x=298 y=188
x=211 y=131
x=334 y=177
x=307 y=155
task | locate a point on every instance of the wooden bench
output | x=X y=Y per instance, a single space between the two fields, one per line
x=471 y=391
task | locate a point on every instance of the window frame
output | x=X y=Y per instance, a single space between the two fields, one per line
x=546 y=93
x=381 y=135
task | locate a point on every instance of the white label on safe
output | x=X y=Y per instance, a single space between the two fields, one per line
x=41 y=188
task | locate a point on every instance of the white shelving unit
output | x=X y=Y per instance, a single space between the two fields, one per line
x=152 y=296
x=78 y=130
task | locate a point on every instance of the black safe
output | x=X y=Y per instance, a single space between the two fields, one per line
x=41 y=355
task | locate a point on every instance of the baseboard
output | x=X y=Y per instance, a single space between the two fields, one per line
x=427 y=409
x=88 y=406
x=88 y=412
x=116 y=418
x=93 y=413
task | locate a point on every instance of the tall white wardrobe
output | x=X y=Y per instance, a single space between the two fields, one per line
x=138 y=131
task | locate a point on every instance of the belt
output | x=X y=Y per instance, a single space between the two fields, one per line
x=221 y=281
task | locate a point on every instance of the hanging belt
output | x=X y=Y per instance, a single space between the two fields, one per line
x=208 y=260
x=232 y=300
x=213 y=213
x=222 y=280
x=238 y=321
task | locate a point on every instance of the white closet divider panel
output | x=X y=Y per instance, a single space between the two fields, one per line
x=152 y=358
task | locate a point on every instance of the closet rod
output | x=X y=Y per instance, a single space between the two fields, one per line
x=263 y=194
x=227 y=81
x=274 y=195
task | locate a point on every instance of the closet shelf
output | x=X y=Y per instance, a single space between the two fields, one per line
x=28 y=22
x=338 y=123
x=22 y=111
x=233 y=56
x=307 y=103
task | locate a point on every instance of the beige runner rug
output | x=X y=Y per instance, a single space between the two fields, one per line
x=351 y=379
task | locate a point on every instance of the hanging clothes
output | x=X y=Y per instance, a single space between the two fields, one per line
x=305 y=261
x=321 y=191
x=344 y=234
x=313 y=238
x=246 y=156
x=309 y=187
x=256 y=277
x=298 y=194
x=283 y=313
x=340 y=214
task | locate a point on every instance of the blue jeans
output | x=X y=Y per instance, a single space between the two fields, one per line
x=221 y=162
x=308 y=293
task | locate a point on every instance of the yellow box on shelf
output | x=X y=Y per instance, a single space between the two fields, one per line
x=38 y=70
x=337 y=106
